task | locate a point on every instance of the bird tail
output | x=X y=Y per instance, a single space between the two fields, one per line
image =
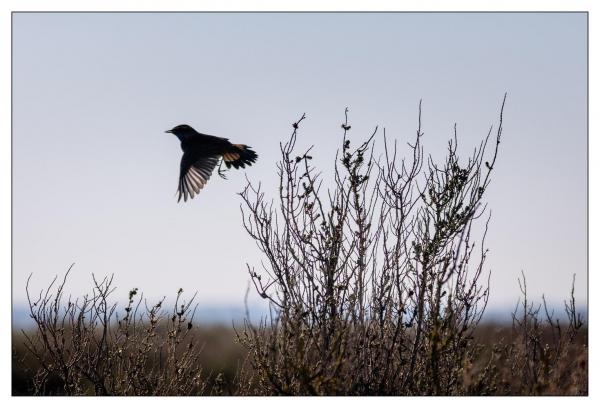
x=239 y=156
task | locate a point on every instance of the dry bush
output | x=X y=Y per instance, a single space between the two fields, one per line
x=88 y=348
x=376 y=285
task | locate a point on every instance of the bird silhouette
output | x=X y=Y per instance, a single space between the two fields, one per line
x=201 y=154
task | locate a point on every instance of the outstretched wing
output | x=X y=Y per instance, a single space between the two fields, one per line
x=194 y=174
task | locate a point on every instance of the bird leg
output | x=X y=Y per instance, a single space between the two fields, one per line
x=220 y=171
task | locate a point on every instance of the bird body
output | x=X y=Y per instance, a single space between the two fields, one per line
x=201 y=154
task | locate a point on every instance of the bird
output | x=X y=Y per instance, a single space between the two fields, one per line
x=201 y=154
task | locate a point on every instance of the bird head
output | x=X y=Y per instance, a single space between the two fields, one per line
x=181 y=131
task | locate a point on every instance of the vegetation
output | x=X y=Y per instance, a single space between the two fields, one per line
x=376 y=286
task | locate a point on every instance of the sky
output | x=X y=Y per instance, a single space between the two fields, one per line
x=94 y=174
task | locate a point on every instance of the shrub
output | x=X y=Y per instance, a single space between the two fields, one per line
x=376 y=285
x=87 y=348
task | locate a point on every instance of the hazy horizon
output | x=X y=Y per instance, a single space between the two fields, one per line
x=94 y=174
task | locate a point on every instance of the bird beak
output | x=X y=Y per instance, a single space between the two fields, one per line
x=168 y=131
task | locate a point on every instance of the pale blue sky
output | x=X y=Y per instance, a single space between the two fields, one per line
x=94 y=174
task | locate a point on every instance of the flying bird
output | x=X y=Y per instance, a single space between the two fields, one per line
x=201 y=154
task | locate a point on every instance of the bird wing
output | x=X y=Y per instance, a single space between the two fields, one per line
x=194 y=174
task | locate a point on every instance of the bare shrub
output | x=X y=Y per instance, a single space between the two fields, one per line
x=89 y=348
x=377 y=284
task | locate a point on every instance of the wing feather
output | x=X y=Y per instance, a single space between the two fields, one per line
x=194 y=174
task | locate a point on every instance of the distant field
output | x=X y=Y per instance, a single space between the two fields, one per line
x=211 y=315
